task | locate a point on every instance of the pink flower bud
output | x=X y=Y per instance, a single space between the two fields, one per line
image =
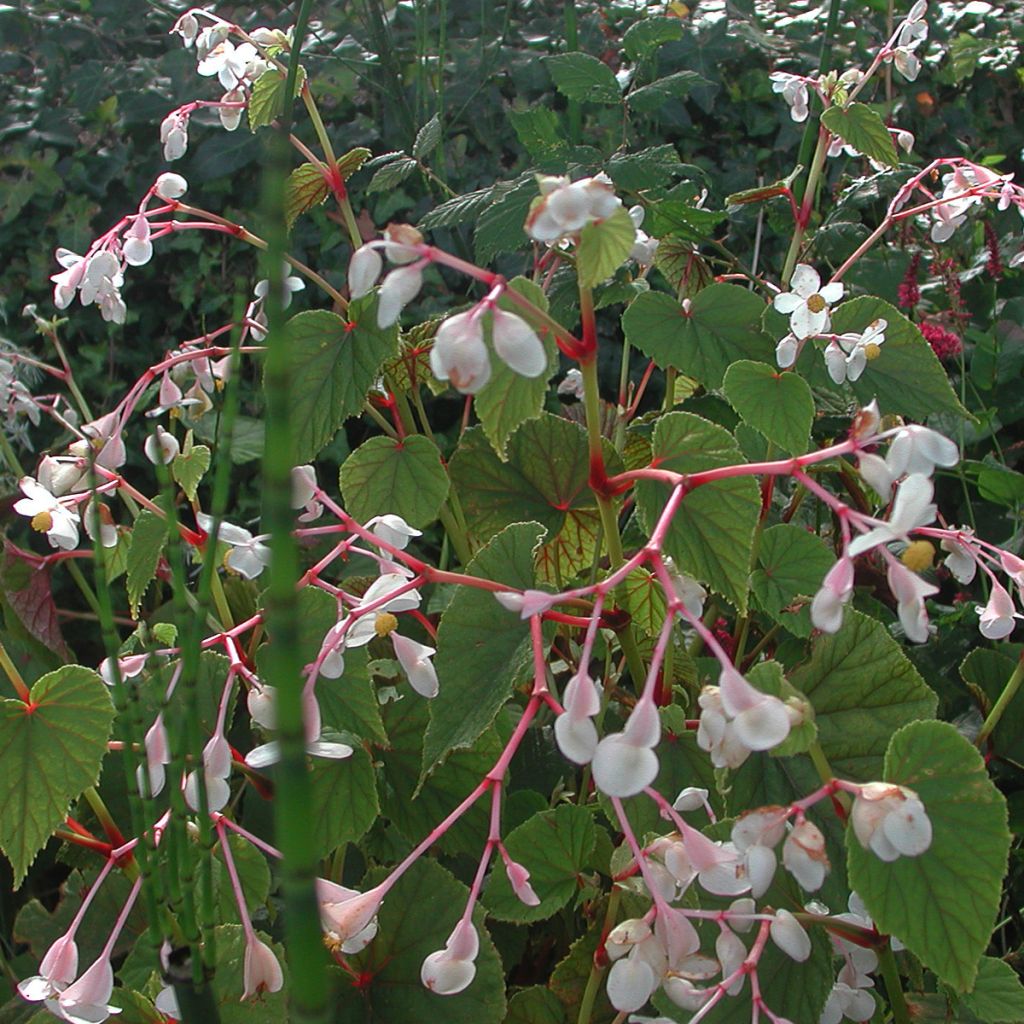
x=517 y=345
x=261 y=970
x=346 y=912
x=890 y=820
x=804 y=857
x=170 y=186
x=788 y=934
x=363 y=270
x=519 y=879
x=452 y=969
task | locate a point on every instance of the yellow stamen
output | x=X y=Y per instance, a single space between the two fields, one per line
x=872 y=351
x=918 y=556
x=42 y=521
x=385 y=624
x=816 y=303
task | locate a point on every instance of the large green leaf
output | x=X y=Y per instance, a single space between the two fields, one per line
x=906 y=377
x=942 y=904
x=863 y=688
x=860 y=127
x=604 y=246
x=499 y=228
x=711 y=534
x=52 y=749
x=415 y=920
x=555 y=848
x=482 y=649
x=535 y=1005
x=778 y=404
x=334 y=363
x=401 y=477
x=791 y=563
x=546 y=474
x=510 y=399
x=583 y=78
x=344 y=801
x=997 y=996
x=723 y=324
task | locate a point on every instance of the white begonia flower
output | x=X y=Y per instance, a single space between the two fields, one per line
x=158 y=755
x=170 y=186
x=248 y=556
x=996 y=619
x=47 y=514
x=1013 y=567
x=835 y=592
x=631 y=982
x=459 y=354
x=575 y=732
x=876 y=472
x=788 y=934
x=848 y=354
x=913 y=507
x=687 y=590
x=261 y=971
x=262 y=704
x=210 y=37
x=289 y=286
x=61 y=475
x=231 y=116
x=86 y=1001
x=107 y=528
x=57 y=970
x=910 y=591
x=807 y=303
x=572 y=384
x=917 y=449
x=566 y=207
x=316 y=746
x=187 y=27
x=517 y=345
x=402 y=242
x=846 y=1001
x=216 y=772
x=519 y=879
x=452 y=969
x=136 y=248
x=890 y=821
x=786 y=351
x=794 y=91
x=690 y=798
x=174 y=136
x=363 y=270
x=161 y=447
x=347 y=913
x=804 y=856
x=400 y=287
x=761 y=721
x=959 y=559
x=625 y=763
x=393 y=530
x=913 y=33
x=232 y=65
x=67 y=283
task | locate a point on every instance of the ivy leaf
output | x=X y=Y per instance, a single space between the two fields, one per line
x=859 y=126
x=334 y=363
x=415 y=920
x=305 y=188
x=779 y=405
x=53 y=748
x=863 y=688
x=428 y=138
x=555 y=848
x=722 y=326
x=350 y=162
x=711 y=535
x=148 y=537
x=604 y=246
x=583 y=78
x=482 y=649
x=399 y=477
x=267 y=98
x=942 y=904
x=791 y=564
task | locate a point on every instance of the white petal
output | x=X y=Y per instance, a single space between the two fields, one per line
x=622 y=769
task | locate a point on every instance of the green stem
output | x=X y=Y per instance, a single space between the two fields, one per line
x=456 y=534
x=12 y=673
x=893 y=987
x=594 y=979
x=83 y=585
x=800 y=228
x=1009 y=692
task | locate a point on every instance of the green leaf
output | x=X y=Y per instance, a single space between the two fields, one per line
x=583 y=78
x=350 y=162
x=535 y=1005
x=571 y=551
x=1001 y=485
x=722 y=325
x=334 y=363
x=344 y=802
x=541 y=132
x=349 y=704
x=555 y=848
x=907 y=377
x=942 y=904
x=644 y=37
x=148 y=537
x=989 y=671
x=648 y=99
x=711 y=535
x=649 y=168
x=546 y=474
x=457 y=210
x=859 y=126
x=266 y=101
x=428 y=138
x=997 y=996
x=604 y=246
x=305 y=188
x=415 y=807
x=863 y=688
x=53 y=748
x=681 y=218
x=398 y=477
x=253 y=874
x=189 y=467
x=392 y=174
x=791 y=564
x=482 y=649
x=415 y=920
x=780 y=405
x=569 y=978
x=510 y=399
x=500 y=226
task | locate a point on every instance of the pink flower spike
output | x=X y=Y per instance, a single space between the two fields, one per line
x=996 y=619
x=261 y=970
